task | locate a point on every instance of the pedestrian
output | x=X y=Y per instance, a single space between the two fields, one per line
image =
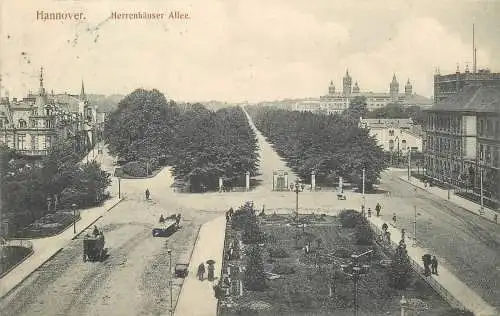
x=403 y=234
x=434 y=265
x=385 y=227
x=211 y=270
x=147 y=194
x=162 y=219
x=427 y=262
x=394 y=219
x=227 y=216
x=369 y=212
x=377 y=209
x=95 y=232
x=201 y=271
x=388 y=235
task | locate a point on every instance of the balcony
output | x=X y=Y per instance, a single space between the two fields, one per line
x=32 y=152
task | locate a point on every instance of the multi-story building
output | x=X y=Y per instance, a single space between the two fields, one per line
x=451 y=84
x=394 y=135
x=463 y=139
x=336 y=102
x=31 y=125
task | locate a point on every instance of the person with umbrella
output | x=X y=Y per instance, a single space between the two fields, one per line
x=211 y=269
x=201 y=271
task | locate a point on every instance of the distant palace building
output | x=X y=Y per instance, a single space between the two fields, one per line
x=31 y=125
x=335 y=102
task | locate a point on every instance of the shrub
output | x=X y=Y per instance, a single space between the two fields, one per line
x=349 y=218
x=364 y=234
x=252 y=233
x=400 y=270
x=254 y=275
x=278 y=253
x=76 y=196
x=135 y=168
x=281 y=268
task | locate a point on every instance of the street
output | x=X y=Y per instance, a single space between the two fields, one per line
x=133 y=280
x=468 y=244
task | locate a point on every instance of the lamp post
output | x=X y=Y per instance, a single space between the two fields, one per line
x=169 y=251
x=397 y=141
x=355 y=270
x=297 y=188
x=481 y=210
x=49 y=202
x=119 y=188
x=409 y=163
x=74 y=218
x=363 y=197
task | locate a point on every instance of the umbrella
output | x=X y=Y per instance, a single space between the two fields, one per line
x=210 y=261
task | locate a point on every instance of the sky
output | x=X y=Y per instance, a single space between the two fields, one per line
x=243 y=50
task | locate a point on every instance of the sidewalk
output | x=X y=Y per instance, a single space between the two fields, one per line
x=45 y=248
x=455 y=290
x=197 y=297
x=457 y=200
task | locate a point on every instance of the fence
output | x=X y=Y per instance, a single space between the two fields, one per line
x=18 y=243
x=443 y=292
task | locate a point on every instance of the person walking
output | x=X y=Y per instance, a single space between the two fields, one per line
x=147 y=194
x=201 y=271
x=377 y=209
x=211 y=270
x=427 y=262
x=394 y=219
x=434 y=265
x=369 y=212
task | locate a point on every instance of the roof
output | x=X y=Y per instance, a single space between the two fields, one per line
x=387 y=123
x=471 y=99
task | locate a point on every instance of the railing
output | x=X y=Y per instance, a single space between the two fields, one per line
x=32 y=152
x=18 y=243
x=442 y=291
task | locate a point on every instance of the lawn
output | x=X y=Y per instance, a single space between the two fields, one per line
x=307 y=283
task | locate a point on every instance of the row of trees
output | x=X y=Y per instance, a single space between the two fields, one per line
x=330 y=145
x=397 y=111
x=200 y=144
x=26 y=185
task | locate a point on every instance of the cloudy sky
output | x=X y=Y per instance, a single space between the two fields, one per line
x=238 y=50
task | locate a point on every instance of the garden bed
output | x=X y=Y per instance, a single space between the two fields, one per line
x=49 y=225
x=12 y=256
x=300 y=283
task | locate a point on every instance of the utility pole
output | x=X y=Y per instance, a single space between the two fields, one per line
x=409 y=163
x=414 y=226
x=481 y=210
x=170 y=282
x=363 y=205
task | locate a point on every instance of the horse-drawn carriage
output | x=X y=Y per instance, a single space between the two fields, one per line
x=93 y=247
x=167 y=226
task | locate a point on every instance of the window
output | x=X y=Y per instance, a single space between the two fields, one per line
x=34 y=123
x=497 y=128
x=22 y=123
x=21 y=138
x=391 y=145
x=403 y=142
x=481 y=152
x=48 y=123
x=481 y=127
x=48 y=142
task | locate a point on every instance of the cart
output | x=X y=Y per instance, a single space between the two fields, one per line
x=93 y=247
x=168 y=227
x=181 y=270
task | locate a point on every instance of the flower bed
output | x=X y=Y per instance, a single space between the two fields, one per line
x=312 y=283
x=49 y=225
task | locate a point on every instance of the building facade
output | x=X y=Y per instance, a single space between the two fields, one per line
x=336 y=102
x=394 y=135
x=33 y=124
x=451 y=84
x=463 y=139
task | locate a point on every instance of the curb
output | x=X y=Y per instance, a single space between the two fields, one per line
x=190 y=256
x=29 y=274
x=17 y=263
x=95 y=220
x=454 y=203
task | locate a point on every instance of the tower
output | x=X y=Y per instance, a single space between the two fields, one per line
x=41 y=98
x=408 y=88
x=394 y=89
x=355 y=89
x=346 y=83
x=331 y=88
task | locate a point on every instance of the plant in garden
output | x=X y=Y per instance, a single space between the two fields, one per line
x=278 y=253
x=364 y=232
x=252 y=233
x=254 y=274
x=349 y=218
x=400 y=272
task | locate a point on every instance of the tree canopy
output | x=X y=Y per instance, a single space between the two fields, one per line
x=201 y=145
x=398 y=111
x=330 y=145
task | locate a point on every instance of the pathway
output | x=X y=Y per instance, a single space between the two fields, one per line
x=197 y=297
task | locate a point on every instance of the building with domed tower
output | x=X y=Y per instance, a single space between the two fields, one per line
x=336 y=102
x=31 y=125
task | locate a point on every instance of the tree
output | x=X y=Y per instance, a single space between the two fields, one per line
x=255 y=279
x=400 y=269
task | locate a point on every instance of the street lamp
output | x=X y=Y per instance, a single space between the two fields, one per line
x=49 y=200
x=297 y=188
x=354 y=270
x=74 y=218
x=363 y=190
x=169 y=251
x=119 y=188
